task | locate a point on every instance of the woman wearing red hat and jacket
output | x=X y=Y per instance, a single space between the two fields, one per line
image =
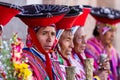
x=41 y=20
x=65 y=42
x=79 y=39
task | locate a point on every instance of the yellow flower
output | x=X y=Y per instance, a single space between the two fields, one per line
x=27 y=74
x=24 y=65
x=23 y=70
x=17 y=66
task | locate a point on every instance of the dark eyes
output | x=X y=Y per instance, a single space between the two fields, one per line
x=52 y=33
x=80 y=38
x=67 y=39
x=44 y=33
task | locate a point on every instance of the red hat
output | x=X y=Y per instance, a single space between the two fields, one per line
x=68 y=20
x=8 y=11
x=106 y=15
x=80 y=21
x=42 y=15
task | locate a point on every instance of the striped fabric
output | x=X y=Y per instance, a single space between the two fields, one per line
x=95 y=48
x=37 y=64
x=76 y=61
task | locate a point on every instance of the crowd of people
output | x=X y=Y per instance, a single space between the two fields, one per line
x=56 y=39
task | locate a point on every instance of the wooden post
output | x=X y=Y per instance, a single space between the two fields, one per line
x=89 y=68
x=70 y=72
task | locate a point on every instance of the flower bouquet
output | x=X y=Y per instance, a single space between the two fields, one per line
x=12 y=67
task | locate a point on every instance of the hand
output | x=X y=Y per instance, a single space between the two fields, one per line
x=105 y=65
x=102 y=74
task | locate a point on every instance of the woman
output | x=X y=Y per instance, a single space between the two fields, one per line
x=65 y=44
x=101 y=43
x=79 y=46
x=79 y=34
x=41 y=21
x=79 y=41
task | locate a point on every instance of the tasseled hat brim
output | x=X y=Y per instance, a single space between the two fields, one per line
x=42 y=15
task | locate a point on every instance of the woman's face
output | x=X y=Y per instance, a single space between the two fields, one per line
x=79 y=41
x=46 y=37
x=108 y=37
x=66 y=43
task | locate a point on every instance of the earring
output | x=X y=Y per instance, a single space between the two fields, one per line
x=59 y=48
x=29 y=42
